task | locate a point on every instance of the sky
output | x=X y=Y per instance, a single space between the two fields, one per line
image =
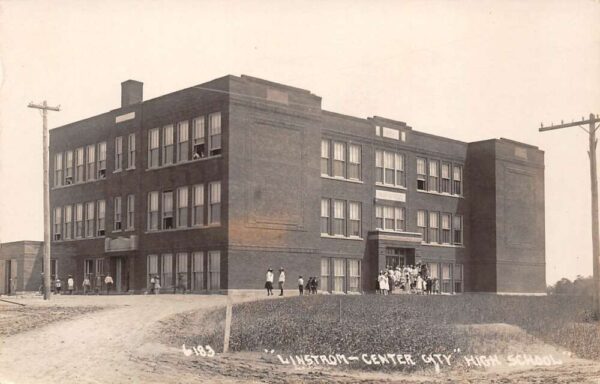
x=469 y=70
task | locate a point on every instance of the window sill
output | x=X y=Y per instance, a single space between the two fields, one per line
x=184 y=162
x=117 y=231
x=341 y=179
x=78 y=239
x=391 y=186
x=443 y=245
x=74 y=184
x=441 y=194
x=117 y=170
x=130 y=168
x=181 y=229
x=391 y=231
x=340 y=237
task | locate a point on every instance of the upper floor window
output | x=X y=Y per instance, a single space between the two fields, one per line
x=91 y=162
x=354 y=218
x=182 y=207
x=339 y=217
x=199 y=145
x=131 y=150
x=389 y=168
x=325 y=159
x=214 y=133
x=445 y=228
x=68 y=221
x=339 y=159
x=89 y=219
x=117 y=220
x=422 y=224
x=389 y=218
x=118 y=153
x=153 y=145
x=182 y=141
x=101 y=218
x=130 y=211
x=69 y=168
x=457 y=180
x=457 y=224
x=79 y=165
x=79 y=221
x=354 y=162
x=433 y=227
x=445 y=184
x=57 y=223
x=214 y=197
x=198 y=213
x=102 y=160
x=433 y=175
x=421 y=174
x=167 y=212
x=152 y=210
x=325 y=209
x=58 y=169
x=167 y=145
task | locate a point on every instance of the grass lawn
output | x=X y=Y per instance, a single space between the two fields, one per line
x=413 y=324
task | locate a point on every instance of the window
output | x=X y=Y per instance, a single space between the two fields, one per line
x=325 y=209
x=339 y=275
x=445 y=186
x=379 y=224
x=167 y=156
x=354 y=160
x=57 y=223
x=153 y=139
x=339 y=159
x=198 y=140
x=325 y=274
x=198 y=271
x=101 y=217
x=182 y=141
x=68 y=222
x=445 y=228
x=434 y=228
x=457 y=227
x=354 y=215
x=117 y=221
x=379 y=167
x=88 y=269
x=339 y=218
x=131 y=151
x=79 y=165
x=457 y=180
x=421 y=175
x=89 y=219
x=214 y=133
x=153 y=211
x=166 y=280
x=400 y=178
x=446 y=280
x=181 y=279
x=354 y=276
x=433 y=269
x=214 y=196
x=91 y=162
x=388 y=218
x=388 y=165
x=422 y=225
x=58 y=169
x=118 y=153
x=214 y=270
x=399 y=213
x=198 y=214
x=458 y=278
x=325 y=149
x=167 y=210
x=69 y=168
x=99 y=267
x=130 y=212
x=182 y=207
x=79 y=221
x=102 y=160
x=152 y=268
x=433 y=175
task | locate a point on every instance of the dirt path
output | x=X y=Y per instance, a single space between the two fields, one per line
x=101 y=347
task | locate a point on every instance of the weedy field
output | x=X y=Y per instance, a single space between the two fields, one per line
x=409 y=324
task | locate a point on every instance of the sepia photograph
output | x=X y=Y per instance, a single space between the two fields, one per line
x=299 y=191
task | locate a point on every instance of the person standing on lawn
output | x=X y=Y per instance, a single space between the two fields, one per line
x=86 y=285
x=70 y=284
x=269 y=282
x=301 y=285
x=281 y=280
x=156 y=285
x=57 y=285
x=109 y=283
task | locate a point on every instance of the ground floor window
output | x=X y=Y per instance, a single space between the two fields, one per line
x=354 y=275
x=339 y=275
x=166 y=280
x=458 y=278
x=446 y=278
x=152 y=268
x=182 y=271
x=325 y=274
x=198 y=271
x=395 y=257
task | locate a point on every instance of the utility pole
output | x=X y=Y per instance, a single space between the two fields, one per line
x=45 y=108
x=591 y=130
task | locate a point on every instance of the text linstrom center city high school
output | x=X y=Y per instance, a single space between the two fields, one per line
x=210 y=186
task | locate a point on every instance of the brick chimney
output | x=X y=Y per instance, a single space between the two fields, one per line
x=132 y=92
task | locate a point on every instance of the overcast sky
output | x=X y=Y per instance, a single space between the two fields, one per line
x=466 y=70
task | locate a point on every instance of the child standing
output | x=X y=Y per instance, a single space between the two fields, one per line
x=301 y=285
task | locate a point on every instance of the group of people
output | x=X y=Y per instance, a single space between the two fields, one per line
x=310 y=287
x=86 y=285
x=155 y=285
x=409 y=279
